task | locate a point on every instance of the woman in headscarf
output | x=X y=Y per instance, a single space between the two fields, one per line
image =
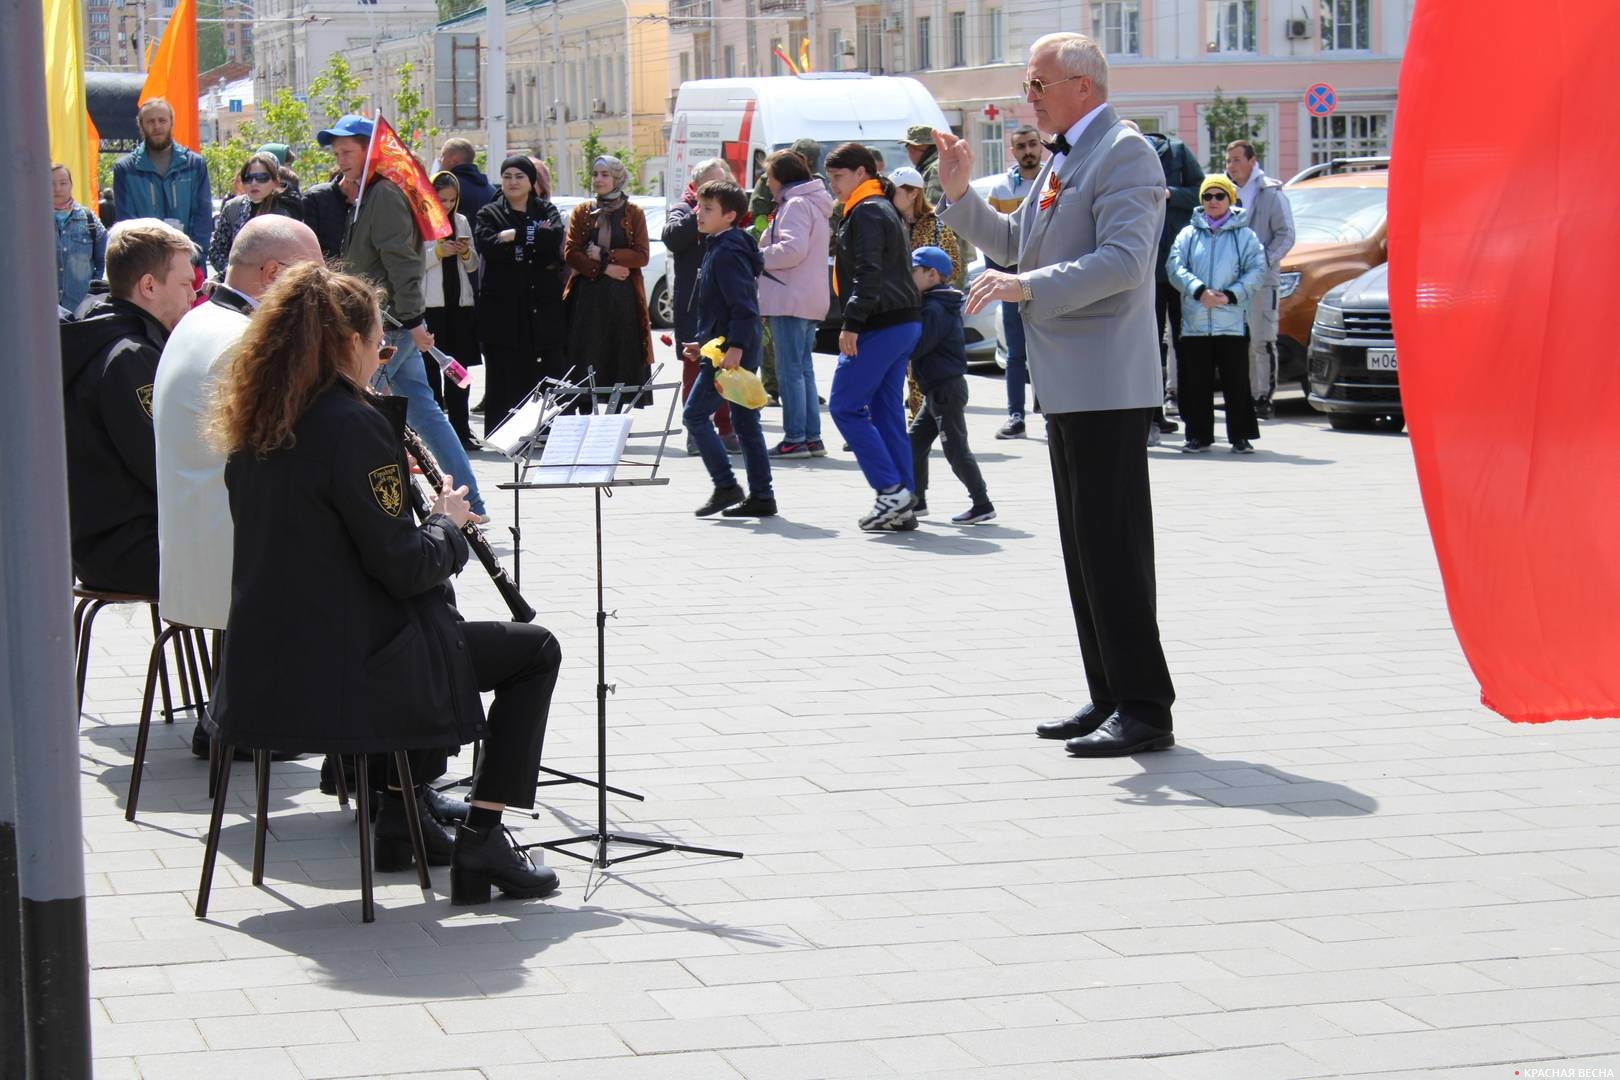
x=447 y=290
x=607 y=246
x=260 y=177
x=521 y=319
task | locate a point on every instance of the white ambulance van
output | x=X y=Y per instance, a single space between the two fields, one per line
x=731 y=119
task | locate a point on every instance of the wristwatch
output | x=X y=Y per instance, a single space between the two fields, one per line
x=1029 y=293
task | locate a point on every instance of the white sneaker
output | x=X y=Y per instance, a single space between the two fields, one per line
x=887 y=509
x=1153 y=434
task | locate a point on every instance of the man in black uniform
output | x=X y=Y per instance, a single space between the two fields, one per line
x=109 y=363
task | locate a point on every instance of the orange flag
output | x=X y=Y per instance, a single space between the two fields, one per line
x=172 y=75
x=93 y=149
x=391 y=158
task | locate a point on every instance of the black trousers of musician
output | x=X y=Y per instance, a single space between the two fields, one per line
x=455 y=332
x=519 y=661
x=1202 y=357
x=1105 y=524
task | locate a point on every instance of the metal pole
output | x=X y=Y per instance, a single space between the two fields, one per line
x=36 y=680
x=629 y=87
x=12 y=1029
x=495 y=81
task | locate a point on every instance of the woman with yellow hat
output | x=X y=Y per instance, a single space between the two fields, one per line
x=1216 y=263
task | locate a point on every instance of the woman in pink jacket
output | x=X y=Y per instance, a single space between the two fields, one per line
x=794 y=294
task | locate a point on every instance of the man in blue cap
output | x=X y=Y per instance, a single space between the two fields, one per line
x=382 y=245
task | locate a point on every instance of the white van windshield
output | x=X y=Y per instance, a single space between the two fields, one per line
x=893 y=151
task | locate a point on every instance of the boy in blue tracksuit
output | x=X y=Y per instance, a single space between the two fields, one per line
x=728 y=307
x=939 y=363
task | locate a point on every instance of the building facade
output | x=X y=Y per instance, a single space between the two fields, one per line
x=1167 y=58
x=294 y=39
x=571 y=66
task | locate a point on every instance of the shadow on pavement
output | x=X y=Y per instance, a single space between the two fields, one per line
x=1183 y=776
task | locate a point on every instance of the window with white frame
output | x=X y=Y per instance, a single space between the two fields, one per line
x=1231 y=25
x=995 y=33
x=1117 y=26
x=1350 y=134
x=686 y=66
x=958 y=40
x=728 y=63
x=925 y=43
x=1148 y=123
x=1346 y=24
x=992 y=146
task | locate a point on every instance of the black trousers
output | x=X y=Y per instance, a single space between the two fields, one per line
x=510 y=372
x=519 y=661
x=456 y=333
x=944 y=417
x=1105 y=523
x=1202 y=357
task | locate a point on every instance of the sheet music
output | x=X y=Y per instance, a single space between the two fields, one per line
x=584 y=449
x=518 y=428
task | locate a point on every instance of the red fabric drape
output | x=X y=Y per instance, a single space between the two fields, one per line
x=1504 y=242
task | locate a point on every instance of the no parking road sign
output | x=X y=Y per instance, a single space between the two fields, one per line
x=1321 y=100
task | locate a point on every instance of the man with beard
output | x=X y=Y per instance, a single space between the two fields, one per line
x=164 y=180
x=1007 y=196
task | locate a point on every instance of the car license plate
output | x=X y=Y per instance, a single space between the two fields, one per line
x=1380 y=359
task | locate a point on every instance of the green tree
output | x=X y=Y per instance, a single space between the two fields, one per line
x=449 y=9
x=210 y=36
x=336 y=90
x=1227 y=120
x=593 y=147
x=412 y=119
x=283 y=119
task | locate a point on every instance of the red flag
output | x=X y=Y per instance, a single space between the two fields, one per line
x=1502 y=299
x=389 y=157
x=783 y=56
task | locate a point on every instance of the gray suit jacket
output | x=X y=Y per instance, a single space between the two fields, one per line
x=1089 y=259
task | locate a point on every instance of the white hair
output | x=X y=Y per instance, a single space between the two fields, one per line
x=708 y=165
x=1077 y=54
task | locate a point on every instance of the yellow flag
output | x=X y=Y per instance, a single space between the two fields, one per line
x=804 y=55
x=64 y=94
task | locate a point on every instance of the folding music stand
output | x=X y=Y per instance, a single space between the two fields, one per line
x=602 y=837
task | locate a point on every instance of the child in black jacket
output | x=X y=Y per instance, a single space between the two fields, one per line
x=939 y=363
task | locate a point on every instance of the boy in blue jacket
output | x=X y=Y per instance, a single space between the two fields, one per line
x=728 y=307
x=939 y=363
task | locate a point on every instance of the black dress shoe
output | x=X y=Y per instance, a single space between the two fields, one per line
x=486 y=857
x=1082 y=723
x=446 y=809
x=1120 y=736
x=753 y=506
x=391 y=845
x=722 y=498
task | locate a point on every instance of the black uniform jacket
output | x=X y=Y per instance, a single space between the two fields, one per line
x=341 y=637
x=109 y=362
x=874 y=268
x=520 y=297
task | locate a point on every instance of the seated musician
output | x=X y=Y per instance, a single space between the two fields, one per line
x=341 y=637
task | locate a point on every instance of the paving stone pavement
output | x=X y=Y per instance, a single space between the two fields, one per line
x=1347 y=866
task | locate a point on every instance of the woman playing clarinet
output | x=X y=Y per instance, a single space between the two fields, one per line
x=342 y=637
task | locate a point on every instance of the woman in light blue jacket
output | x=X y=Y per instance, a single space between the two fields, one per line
x=1216 y=263
x=81 y=242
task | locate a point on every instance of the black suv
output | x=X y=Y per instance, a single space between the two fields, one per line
x=1353 y=377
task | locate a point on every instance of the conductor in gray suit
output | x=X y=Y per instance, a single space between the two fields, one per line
x=1084 y=242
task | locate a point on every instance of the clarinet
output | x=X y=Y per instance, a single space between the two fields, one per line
x=521 y=611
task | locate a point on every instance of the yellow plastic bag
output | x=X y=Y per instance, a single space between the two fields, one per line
x=737 y=384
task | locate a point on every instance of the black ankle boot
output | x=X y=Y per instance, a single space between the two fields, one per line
x=391 y=842
x=484 y=857
x=448 y=809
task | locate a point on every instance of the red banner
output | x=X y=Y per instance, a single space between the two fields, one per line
x=1504 y=238
x=393 y=159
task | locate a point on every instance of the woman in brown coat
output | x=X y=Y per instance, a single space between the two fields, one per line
x=607 y=303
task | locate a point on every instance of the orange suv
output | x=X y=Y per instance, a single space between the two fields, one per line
x=1340 y=218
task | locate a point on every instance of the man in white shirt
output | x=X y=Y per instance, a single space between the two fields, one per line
x=194 y=512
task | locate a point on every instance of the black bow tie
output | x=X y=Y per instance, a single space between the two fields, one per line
x=1059 y=145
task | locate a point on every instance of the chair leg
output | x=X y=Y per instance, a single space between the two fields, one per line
x=207 y=661
x=214 y=762
x=193 y=677
x=341 y=780
x=261 y=768
x=362 y=798
x=177 y=643
x=90 y=614
x=153 y=667
x=211 y=849
x=413 y=819
x=158 y=641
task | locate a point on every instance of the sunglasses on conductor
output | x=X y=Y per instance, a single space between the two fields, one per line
x=1039 y=87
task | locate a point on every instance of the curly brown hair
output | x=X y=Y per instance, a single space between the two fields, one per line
x=295 y=348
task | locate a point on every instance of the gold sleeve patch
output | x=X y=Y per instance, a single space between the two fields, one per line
x=143 y=394
x=387 y=489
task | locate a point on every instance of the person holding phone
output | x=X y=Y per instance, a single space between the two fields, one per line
x=447 y=289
